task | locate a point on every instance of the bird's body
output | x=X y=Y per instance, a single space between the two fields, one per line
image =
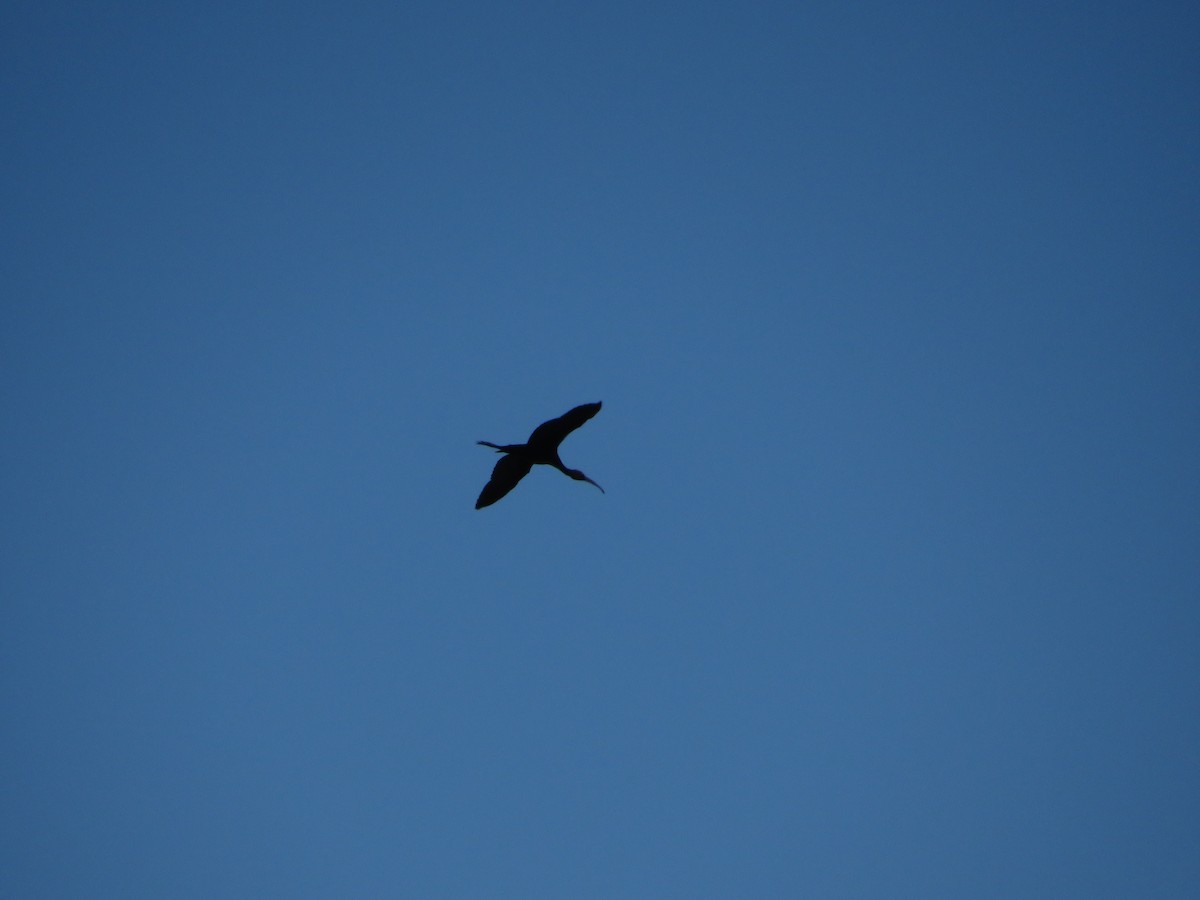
x=540 y=449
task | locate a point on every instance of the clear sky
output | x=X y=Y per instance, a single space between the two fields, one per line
x=895 y=588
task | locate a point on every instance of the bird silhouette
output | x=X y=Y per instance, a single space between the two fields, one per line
x=542 y=447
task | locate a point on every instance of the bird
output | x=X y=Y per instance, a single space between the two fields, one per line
x=542 y=447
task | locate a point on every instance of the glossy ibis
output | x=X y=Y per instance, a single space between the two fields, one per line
x=542 y=447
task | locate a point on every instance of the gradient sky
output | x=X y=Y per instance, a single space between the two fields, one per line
x=895 y=588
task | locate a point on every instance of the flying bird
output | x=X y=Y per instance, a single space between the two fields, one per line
x=542 y=447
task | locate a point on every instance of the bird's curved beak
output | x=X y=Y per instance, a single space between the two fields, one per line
x=589 y=481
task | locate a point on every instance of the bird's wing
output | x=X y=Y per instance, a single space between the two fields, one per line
x=509 y=470
x=552 y=433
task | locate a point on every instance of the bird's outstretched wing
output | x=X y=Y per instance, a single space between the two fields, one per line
x=551 y=434
x=509 y=470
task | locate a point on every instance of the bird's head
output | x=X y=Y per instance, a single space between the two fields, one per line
x=579 y=476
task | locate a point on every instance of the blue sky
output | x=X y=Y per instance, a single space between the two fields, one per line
x=895 y=588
